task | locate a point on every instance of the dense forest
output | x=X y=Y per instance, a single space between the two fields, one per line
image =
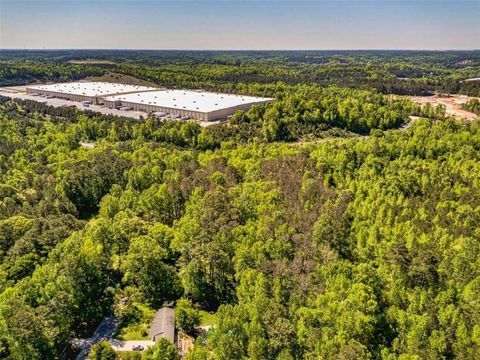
x=347 y=248
x=325 y=225
x=390 y=72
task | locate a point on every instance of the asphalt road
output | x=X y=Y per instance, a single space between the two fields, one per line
x=107 y=328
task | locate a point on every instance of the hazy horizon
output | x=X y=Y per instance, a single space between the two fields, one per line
x=202 y=25
x=243 y=50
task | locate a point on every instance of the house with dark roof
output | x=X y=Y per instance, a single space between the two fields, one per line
x=163 y=325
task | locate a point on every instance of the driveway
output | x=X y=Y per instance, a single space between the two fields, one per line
x=107 y=328
x=119 y=345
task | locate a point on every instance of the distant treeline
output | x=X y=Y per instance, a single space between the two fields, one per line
x=299 y=112
x=395 y=72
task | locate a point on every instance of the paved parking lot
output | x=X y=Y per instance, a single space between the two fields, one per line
x=19 y=92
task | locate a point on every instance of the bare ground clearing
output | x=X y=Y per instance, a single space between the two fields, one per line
x=453 y=104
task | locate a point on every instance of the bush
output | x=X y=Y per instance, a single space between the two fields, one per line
x=187 y=317
x=102 y=351
x=162 y=350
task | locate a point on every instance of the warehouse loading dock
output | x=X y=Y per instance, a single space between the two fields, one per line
x=179 y=104
x=199 y=105
x=93 y=92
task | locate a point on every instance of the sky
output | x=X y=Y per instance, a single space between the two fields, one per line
x=240 y=25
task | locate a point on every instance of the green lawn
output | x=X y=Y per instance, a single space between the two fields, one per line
x=138 y=328
x=207 y=319
x=134 y=332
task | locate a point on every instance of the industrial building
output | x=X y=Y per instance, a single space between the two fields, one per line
x=184 y=104
x=92 y=92
x=199 y=105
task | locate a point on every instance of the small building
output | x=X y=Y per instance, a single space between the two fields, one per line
x=163 y=325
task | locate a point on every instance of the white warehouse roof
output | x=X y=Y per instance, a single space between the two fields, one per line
x=91 y=88
x=188 y=100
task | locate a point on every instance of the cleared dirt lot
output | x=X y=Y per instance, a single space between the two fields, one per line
x=452 y=103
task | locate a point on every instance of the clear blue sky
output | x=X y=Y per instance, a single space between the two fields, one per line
x=248 y=24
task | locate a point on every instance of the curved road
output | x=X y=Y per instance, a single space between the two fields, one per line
x=107 y=328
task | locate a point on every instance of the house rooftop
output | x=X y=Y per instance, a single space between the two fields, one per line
x=163 y=325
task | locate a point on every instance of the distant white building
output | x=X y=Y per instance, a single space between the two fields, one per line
x=93 y=92
x=180 y=104
x=199 y=105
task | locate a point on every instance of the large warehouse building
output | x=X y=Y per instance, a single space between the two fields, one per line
x=94 y=92
x=199 y=105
